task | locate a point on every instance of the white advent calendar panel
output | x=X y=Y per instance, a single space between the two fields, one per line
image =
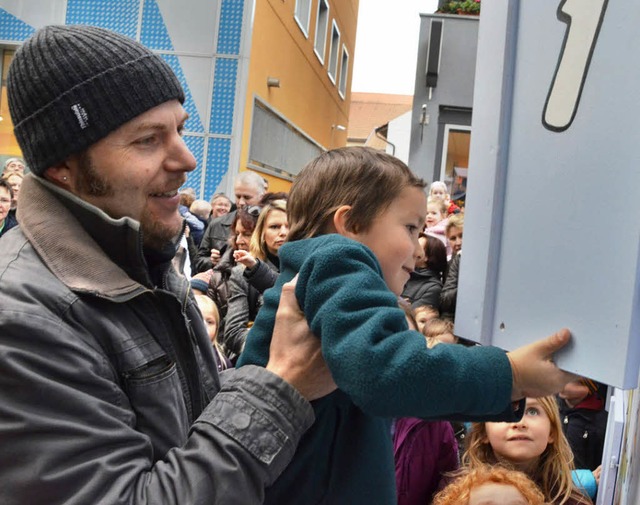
x=552 y=224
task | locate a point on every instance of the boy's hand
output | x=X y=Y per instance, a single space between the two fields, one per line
x=295 y=354
x=534 y=373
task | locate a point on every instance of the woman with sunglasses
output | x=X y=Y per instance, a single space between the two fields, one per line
x=256 y=271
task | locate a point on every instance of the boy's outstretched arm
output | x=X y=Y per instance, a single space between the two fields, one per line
x=534 y=372
x=295 y=353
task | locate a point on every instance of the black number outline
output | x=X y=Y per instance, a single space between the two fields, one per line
x=565 y=18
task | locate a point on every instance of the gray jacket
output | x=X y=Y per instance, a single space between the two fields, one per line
x=108 y=388
x=216 y=236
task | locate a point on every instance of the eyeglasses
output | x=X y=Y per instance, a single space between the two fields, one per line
x=254 y=210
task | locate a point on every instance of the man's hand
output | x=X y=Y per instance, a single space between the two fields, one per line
x=295 y=354
x=534 y=373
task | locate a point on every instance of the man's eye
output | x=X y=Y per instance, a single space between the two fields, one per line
x=146 y=141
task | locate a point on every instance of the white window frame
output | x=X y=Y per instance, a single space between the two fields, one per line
x=323 y=33
x=303 y=24
x=333 y=74
x=344 y=72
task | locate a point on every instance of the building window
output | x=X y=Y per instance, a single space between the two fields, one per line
x=344 y=73
x=455 y=159
x=8 y=144
x=277 y=147
x=333 y=52
x=302 y=15
x=322 y=23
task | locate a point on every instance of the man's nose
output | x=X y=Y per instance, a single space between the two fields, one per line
x=181 y=159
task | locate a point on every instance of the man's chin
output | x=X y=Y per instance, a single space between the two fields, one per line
x=158 y=236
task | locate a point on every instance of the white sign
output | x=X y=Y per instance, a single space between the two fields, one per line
x=552 y=225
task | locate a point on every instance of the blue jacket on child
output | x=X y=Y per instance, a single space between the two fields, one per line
x=382 y=370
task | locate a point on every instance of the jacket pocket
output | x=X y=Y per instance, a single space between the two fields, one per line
x=155 y=394
x=155 y=370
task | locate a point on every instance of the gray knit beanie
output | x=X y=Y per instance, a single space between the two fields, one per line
x=70 y=86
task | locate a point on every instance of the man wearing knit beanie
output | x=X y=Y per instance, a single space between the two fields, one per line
x=109 y=391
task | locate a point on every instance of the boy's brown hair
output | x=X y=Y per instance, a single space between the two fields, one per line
x=364 y=178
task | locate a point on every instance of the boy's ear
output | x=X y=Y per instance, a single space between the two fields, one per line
x=340 y=218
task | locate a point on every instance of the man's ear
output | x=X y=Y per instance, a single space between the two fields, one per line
x=340 y=218
x=59 y=174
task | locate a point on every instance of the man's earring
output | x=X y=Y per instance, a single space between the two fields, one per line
x=64 y=179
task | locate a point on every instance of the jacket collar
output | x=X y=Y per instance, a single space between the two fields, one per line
x=84 y=248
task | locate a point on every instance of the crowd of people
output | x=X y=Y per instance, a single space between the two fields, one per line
x=261 y=348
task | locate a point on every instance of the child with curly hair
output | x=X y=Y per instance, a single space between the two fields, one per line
x=490 y=485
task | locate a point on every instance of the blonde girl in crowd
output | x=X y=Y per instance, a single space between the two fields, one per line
x=439 y=191
x=436 y=221
x=535 y=445
x=211 y=317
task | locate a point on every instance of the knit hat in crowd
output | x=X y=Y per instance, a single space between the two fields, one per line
x=70 y=86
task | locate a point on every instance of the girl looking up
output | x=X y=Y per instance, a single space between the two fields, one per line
x=535 y=445
x=355 y=215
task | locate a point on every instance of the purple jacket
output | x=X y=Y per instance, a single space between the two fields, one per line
x=423 y=451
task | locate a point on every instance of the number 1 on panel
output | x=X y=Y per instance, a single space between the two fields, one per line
x=583 y=18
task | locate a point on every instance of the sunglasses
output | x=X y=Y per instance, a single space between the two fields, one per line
x=253 y=211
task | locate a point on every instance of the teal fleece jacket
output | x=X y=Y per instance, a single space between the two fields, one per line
x=382 y=370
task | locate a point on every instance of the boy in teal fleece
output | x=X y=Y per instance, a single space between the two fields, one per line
x=355 y=215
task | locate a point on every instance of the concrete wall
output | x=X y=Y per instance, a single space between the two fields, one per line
x=454 y=87
x=399 y=135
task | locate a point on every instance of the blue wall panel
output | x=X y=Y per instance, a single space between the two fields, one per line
x=224 y=95
x=118 y=15
x=196 y=146
x=230 y=31
x=154 y=33
x=12 y=28
x=194 y=123
x=218 y=154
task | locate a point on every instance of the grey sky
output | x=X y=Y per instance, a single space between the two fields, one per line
x=387 y=45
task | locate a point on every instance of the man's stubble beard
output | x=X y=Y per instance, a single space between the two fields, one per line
x=155 y=236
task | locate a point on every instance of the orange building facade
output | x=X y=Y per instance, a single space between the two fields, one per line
x=299 y=84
